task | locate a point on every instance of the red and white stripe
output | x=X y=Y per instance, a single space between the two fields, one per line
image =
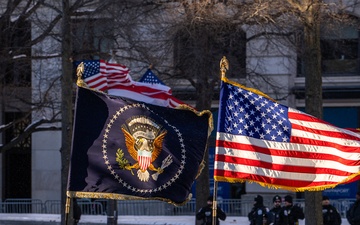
x=319 y=155
x=144 y=162
x=144 y=92
x=116 y=80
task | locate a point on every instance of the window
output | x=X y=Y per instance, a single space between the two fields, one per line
x=17 y=161
x=20 y=125
x=205 y=45
x=339 y=48
x=17 y=67
x=92 y=38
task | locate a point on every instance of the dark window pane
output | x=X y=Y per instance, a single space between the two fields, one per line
x=339 y=49
x=92 y=38
x=192 y=47
x=18 y=68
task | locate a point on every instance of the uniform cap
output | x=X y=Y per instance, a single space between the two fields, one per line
x=259 y=199
x=276 y=198
x=288 y=199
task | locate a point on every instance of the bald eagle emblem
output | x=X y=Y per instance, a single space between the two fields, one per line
x=144 y=139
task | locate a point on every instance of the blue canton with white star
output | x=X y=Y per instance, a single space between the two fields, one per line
x=91 y=68
x=245 y=113
x=151 y=78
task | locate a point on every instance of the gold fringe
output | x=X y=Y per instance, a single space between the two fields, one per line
x=79 y=194
x=289 y=188
x=224 y=79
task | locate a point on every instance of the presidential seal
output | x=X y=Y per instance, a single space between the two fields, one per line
x=143 y=138
x=133 y=146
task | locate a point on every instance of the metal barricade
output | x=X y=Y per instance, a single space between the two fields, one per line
x=22 y=205
x=52 y=206
x=232 y=207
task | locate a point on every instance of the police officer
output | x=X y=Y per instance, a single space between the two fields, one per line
x=205 y=213
x=353 y=214
x=259 y=214
x=276 y=210
x=331 y=216
x=291 y=213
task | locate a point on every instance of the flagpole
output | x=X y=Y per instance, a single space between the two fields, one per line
x=67 y=209
x=214 y=208
x=224 y=66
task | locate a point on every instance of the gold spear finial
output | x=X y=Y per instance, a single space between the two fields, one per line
x=79 y=72
x=224 y=66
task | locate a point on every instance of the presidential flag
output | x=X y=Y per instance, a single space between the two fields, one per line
x=124 y=149
x=259 y=140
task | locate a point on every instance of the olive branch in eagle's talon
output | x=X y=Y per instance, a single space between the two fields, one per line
x=123 y=162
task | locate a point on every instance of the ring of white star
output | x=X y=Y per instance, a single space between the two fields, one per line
x=116 y=176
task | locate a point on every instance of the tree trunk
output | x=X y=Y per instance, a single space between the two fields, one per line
x=203 y=182
x=313 y=97
x=66 y=107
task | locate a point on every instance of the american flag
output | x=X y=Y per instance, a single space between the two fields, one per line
x=95 y=75
x=151 y=78
x=262 y=141
x=100 y=75
x=116 y=80
x=152 y=93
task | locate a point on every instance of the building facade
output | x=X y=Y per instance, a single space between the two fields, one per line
x=32 y=169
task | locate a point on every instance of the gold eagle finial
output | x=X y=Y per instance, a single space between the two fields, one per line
x=224 y=66
x=79 y=72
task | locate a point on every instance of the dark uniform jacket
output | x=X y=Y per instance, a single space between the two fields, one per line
x=276 y=211
x=353 y=214
x=331 y=216
x=205 y=214
x=291 y=215
x=260 y=215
